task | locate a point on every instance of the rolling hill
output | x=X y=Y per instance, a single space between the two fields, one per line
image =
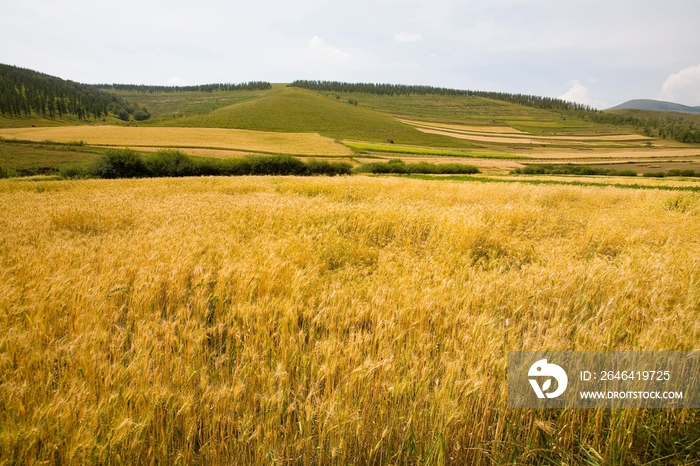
x=300 y=111
x=356 y=112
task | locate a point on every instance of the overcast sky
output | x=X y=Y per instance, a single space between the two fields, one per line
x=595 y=52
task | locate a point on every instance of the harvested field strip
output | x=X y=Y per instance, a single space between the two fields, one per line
x=521 y=135
x=641 y=153
x=652 y=182
x=428 y=151
x=481 y=179
x=534 y=140
x=475 y=137
x=213 y=138
x=477 y=129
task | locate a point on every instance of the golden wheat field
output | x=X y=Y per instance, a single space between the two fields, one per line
x=217 y=138
x=352 y=320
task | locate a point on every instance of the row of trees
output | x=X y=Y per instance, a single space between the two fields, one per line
x=401 y=89
x=249 y=86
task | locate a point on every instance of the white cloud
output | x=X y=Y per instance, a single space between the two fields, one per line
x=479 y=44
x=682 y=87
x=175 y=81
x=579 y=94
x=407 y=37
x=326 y=52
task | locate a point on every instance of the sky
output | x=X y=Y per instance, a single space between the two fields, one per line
x=599 y=53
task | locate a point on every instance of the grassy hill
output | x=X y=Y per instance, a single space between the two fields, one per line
x=341 y=115
x=298 y=110
x=31 y=98
x=470 y=110
x=331 y=114
x=177 y=104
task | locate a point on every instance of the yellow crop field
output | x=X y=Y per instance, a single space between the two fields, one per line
x=348 y=320
x=237 y=139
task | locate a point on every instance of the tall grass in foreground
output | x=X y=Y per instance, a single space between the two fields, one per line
x=344 y=320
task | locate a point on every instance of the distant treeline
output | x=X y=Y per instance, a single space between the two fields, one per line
x=249 y=86
x=23 y=92
x=400 y=89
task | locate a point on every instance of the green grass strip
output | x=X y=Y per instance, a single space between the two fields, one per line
x=428 y=151
x=481 y=179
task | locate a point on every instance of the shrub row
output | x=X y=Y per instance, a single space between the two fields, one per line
x=672 y=172
x=570 y=169
x=126 y=163
x=400 y=167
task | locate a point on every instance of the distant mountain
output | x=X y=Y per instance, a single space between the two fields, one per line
x=659 y=105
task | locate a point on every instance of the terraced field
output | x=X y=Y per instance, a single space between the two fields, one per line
x=496 y=133
x=470 y=110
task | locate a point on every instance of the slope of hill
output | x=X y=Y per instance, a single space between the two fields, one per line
x=473 y=110
x=303 y=111
x=657 y=105
x=28 y=97
x=402 y=89
x=168 y=105
x=25 y=92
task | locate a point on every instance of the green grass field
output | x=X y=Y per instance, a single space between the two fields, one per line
x=25 y=158
x=176 y=104
x=330 y=114
x=394 y=149
x=34 y=120
x=298 y=110
x=471 y=110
